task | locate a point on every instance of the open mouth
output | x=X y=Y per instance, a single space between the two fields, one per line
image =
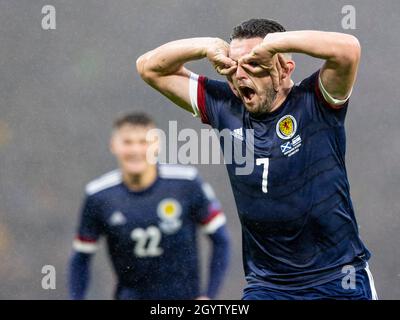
x=247 y=93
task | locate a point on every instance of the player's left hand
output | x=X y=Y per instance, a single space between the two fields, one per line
x=261 y=60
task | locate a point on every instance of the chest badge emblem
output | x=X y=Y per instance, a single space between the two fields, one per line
x=286 y=127
x=169 y=211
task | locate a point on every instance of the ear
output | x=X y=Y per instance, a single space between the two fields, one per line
x=288 y=66
x=291 y=66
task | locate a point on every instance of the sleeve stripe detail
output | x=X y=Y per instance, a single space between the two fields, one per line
x=214 y=224
x=324 y=95
x=211 y=216
x=85 y=239
x=171 y=171
x=201 y=99
x=193 y=84
x=84 y=247
x=106 y=181
x=329 y=98
x=208 y=191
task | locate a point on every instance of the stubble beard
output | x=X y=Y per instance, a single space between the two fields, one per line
x=265 y=107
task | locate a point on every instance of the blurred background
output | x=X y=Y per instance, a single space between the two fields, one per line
x=61 y=89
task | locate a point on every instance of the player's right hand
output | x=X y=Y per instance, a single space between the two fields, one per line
x=261 y=60
x=217 y=54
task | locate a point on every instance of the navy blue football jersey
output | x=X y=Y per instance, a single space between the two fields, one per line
x=151 y=234
x=298 y=223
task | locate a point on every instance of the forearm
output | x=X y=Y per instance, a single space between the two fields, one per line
x=79 y=275
x=219 y=261
x=163 y=68
x=169 y=58
x=340 y=51
x=330 y=46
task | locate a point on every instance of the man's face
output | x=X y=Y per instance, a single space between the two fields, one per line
x=256 y=92
x=129 y=144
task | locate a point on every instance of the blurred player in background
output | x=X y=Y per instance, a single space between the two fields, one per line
x=149 y=214
x=300 y=235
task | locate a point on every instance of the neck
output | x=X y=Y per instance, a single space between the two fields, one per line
x=141 y=181
x=282 y=95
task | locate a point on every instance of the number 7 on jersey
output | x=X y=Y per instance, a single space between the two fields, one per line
x=265 y=162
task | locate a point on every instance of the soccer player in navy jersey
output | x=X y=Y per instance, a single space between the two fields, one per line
x=300 y=235
x=149 y=214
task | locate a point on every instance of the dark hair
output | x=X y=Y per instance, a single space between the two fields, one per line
x=255 y=28
x=134 y=119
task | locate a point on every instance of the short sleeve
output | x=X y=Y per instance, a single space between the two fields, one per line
x=209 y=98
x=90 y=227
x=326 y=108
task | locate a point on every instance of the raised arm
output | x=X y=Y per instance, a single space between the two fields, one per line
x=340 y=51
x=163 y=68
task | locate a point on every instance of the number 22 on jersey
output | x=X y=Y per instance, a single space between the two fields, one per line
x=147 y=242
